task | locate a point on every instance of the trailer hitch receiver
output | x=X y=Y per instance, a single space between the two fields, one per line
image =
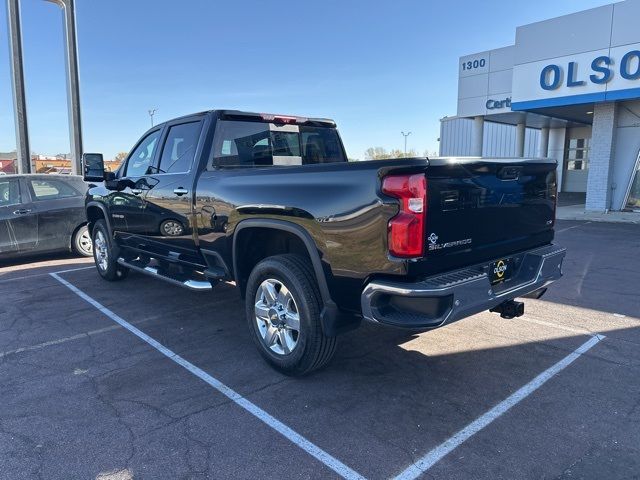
x=509 y=309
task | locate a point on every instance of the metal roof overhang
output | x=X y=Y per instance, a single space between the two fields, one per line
x=552 y=117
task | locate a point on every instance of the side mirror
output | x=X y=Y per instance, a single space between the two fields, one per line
x=93 y=167
x=110 y=181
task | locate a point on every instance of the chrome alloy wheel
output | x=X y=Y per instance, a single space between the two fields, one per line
x=277 y=317
x=172 y=228
x=84 y=242
x=101 y=251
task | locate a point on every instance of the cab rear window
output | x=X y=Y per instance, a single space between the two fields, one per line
x=258 y=144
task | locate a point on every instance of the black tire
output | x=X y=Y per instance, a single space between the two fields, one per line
x=81 y=243
x=171 y=228
x=106 y=260
x=313 y=349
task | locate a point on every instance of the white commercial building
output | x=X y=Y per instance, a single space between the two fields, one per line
x=568 y=89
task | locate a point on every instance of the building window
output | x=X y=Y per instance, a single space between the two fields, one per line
x=577 y=154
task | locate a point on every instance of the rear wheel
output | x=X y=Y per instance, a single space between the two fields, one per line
x=105 y=254
x=283 y=312
x=81 y=243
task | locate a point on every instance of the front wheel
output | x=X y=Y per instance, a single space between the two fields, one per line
x=283 y=312
x=105 y=255
x=171 y=228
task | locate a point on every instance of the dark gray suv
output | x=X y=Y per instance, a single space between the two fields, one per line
x=42 y=213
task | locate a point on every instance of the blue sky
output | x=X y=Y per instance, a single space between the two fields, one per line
x=375 y=67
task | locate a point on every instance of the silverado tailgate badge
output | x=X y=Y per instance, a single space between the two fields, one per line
x=434 y=245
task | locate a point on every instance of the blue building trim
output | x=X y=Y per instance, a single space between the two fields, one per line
x=577 y=99
x=559 y=101
x=623 y=94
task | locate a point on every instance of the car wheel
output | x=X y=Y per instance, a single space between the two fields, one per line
x=82 y=244
x=171 y=228
x=283 y=312
x=105 y=254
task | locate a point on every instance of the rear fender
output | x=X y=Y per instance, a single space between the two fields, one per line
x=332 y=319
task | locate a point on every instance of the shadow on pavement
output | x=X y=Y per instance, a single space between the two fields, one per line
x=387 y=398
x=41 y=264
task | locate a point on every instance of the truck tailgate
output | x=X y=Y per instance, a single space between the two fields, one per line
x=481 y=209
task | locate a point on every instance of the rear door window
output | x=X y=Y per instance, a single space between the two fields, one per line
x=51 y=189
x=253 y=144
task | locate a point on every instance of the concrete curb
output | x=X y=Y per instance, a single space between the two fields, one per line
x=577 y=212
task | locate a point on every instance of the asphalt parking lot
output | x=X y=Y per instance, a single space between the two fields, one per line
x=182 y=392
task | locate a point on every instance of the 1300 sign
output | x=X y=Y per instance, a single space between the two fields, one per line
x=471 y=65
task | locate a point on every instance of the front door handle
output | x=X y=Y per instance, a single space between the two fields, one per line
x=22 y=211
x=136 y=191
x=180 y=191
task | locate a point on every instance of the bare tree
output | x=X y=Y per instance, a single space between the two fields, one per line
x=380 y=153
x=376 y=153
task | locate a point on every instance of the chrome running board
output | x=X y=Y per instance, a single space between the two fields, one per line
x=152 y=271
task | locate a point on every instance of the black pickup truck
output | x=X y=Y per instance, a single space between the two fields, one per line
x=314 y=243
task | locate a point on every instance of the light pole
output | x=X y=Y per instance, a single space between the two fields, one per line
x=18 y=83
x=23 y=151
x=152 y=112
x=405 y=135
x=73 y=81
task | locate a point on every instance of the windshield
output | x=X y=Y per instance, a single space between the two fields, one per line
x=247 y=144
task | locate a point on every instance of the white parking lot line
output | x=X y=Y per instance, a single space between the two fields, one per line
x=76 y=269
x=59 y=341
x=435 y=455
x=71 y=338
x=27 y=277
x=582 y=331
x=571 y=228
x=309 y=447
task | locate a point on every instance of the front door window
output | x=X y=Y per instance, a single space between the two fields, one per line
x=141 y=158
x=9 y=192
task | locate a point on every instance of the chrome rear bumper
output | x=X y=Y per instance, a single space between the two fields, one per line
x=451 y=296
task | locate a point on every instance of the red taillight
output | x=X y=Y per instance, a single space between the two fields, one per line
x=406 y=229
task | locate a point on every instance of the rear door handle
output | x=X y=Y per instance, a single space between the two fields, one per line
x=136 y=191
x=180 y=191
x=22 y=211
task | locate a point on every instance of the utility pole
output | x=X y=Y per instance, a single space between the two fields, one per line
x=405 y=135
x=152 y=112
